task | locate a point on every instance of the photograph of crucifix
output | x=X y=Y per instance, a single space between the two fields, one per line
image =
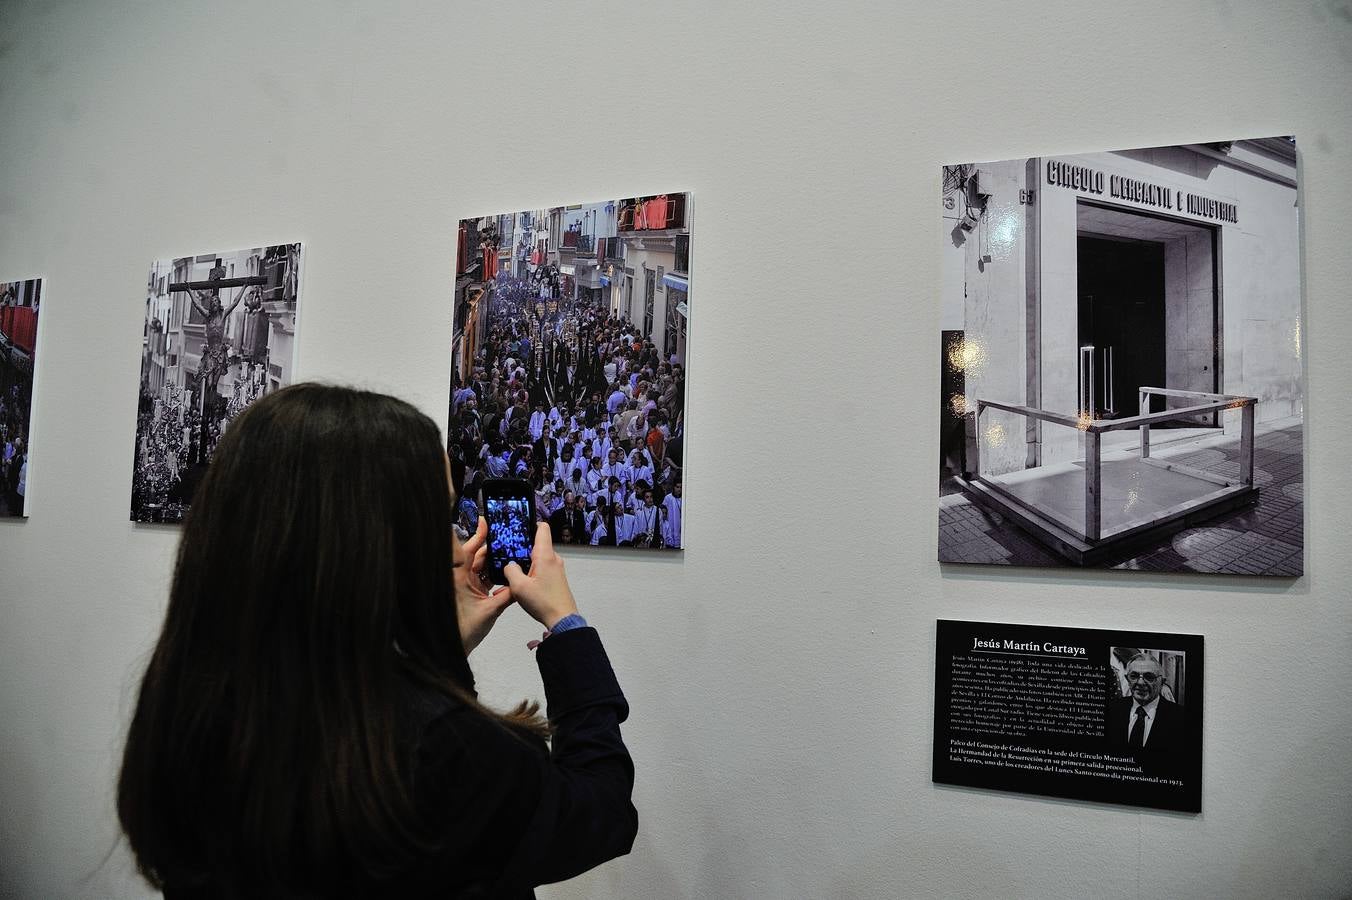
x=219 y=333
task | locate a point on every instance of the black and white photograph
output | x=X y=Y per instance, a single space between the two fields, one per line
x=1083 y=713
x=1121 y=375
x=220 y=331
x=19 y=304
x=1146 y=699
x=568 y=361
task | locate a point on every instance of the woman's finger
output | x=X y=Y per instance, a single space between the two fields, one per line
x=478 y=561
x=512 y=572
x=544 y=541
x=500 y=597
x=477 y=539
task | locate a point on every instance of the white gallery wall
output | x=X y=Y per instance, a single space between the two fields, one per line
x=780 y=670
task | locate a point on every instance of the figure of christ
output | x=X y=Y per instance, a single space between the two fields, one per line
x=215 y=359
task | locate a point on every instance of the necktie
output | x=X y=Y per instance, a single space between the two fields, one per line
x=1137 y=736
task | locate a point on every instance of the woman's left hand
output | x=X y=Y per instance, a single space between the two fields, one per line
x=477 y=605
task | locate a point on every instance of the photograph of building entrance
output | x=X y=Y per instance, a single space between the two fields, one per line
x=1121 y=379
x=568 y=366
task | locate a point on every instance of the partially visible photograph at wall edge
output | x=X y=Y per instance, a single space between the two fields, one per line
x=20 y=302
x=568 y=358
x=219 y=333
x=1120 y=353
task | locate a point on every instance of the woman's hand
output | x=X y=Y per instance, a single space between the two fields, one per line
x=476 y=607
x=544 y=593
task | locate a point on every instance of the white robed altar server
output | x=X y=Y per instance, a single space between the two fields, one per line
x=671 y=523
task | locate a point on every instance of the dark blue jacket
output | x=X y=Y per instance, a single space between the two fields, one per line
x=512 y=811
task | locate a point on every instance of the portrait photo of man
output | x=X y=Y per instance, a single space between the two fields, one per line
x=1146 y=719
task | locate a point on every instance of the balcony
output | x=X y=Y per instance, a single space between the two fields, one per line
x=661 y=212
x=20 y=325
x=468 y=256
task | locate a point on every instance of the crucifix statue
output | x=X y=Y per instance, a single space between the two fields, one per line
x=206 y=299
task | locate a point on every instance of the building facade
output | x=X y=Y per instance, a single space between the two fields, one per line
x=652 y=286
x=1072 y=281
x=629 y=256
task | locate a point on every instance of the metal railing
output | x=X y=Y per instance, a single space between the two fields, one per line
x=1094 y=429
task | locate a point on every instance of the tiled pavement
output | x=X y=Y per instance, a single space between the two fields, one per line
x=1264 y=539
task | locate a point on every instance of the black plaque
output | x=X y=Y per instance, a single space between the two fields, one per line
x=1107 y=716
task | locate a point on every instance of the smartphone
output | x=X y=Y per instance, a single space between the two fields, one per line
x=509 y=507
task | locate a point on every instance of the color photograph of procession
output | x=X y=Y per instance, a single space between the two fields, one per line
x=219 y=333
x=19 y=301
x=568 y=360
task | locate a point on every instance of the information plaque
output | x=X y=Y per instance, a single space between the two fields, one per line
x=1107 y=716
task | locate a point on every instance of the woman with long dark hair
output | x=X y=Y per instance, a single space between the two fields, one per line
x=308 y=726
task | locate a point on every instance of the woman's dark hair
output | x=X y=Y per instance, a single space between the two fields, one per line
x=313 y=583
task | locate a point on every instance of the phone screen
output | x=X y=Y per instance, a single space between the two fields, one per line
x=509 y=531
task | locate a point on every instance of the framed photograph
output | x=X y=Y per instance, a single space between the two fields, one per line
x=568 y=360
x=220 y=332
x=1121 y=378
x=20 y=302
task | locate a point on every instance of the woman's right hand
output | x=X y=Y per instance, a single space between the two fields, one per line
x=544 y=593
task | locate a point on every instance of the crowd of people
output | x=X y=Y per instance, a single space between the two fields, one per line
x=171 y=435
x=583 y=406
x=13 y=448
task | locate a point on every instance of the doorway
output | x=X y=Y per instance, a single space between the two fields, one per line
x=1148 y=312
x=1121 y=323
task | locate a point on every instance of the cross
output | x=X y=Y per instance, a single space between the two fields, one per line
x=205 y=297
x=217 y=280
x=218 y=283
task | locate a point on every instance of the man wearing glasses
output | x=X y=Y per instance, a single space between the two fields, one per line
x=1143 y=720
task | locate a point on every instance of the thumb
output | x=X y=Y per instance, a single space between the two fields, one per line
x=515 y=577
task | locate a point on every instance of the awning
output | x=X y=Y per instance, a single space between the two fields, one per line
x=676 y=283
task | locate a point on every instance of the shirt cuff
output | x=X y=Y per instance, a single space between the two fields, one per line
x=568 y=623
